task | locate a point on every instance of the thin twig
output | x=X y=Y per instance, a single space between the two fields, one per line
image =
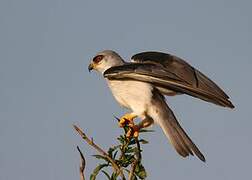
x=139 y=156
x=136 y=160
x=100 y=150
x=82 y=164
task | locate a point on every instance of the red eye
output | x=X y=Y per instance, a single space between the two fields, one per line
x=97 y=59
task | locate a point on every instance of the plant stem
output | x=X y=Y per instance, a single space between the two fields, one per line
x=136 y=160
x=82 y=165
x=116 y=168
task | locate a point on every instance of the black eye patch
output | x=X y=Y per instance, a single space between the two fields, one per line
x=97 y=58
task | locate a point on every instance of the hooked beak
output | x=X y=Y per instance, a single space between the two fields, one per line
x=90 y=67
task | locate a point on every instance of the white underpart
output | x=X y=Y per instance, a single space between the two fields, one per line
x=134 y=95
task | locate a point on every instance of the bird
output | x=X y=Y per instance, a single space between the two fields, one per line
x=142 y=84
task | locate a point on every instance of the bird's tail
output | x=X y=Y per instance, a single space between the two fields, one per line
x=172 y=129
x=178 y=137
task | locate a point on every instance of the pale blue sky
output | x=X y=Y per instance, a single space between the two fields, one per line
x=45 y=47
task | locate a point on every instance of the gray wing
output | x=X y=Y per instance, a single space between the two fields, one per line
x=170 y=73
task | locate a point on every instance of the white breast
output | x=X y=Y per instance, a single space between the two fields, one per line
x=134 y=95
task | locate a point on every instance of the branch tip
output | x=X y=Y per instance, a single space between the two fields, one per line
x=82 y=164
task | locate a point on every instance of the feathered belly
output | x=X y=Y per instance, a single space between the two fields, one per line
x=134 y=95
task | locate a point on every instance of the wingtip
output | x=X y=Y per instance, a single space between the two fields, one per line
x=230 y=105
x=202 y=158
x=200 y=155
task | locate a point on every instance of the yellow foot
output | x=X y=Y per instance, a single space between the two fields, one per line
x=133 y=131
x=127 y=119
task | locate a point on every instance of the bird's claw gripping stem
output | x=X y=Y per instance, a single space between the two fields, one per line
x=127 y=119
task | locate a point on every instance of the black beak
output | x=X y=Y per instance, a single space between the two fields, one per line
x=90 y=67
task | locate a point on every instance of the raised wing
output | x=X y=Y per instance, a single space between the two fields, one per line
x=167 y=73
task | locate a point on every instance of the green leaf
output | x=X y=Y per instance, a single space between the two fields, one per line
x=106 y=174
x=146 y=130
x=143 y=141
x=114 y=176
x=134 y=177
x=112 y=149
x=114 y=155
x=132 y=141
x=140 y=171
x=126 y=161
x=98 y=156
x=126 y=128
x=129 y=157
x=122 y=139
x=132 y=150
x=97 y=170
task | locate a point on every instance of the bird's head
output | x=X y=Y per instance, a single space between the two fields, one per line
x=104 y=60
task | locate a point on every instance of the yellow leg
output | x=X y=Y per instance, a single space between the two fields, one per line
x=127 y=119
x=133 y=131
x=145 y=123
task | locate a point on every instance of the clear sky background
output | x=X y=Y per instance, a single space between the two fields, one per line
x=46 y=46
